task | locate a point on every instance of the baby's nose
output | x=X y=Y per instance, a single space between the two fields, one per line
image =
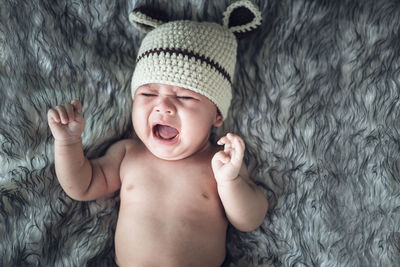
x=165 y=106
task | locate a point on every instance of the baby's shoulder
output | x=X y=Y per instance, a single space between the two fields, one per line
x=130 y=145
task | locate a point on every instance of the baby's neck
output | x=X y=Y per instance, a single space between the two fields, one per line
x=205 y=148
x=205 y=151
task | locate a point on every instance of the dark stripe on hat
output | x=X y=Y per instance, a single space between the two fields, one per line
x=190 y=54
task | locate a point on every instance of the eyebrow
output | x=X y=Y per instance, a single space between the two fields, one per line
x=148 y=88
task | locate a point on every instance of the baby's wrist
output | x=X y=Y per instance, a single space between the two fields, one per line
x=224 y=182
x=67 y=142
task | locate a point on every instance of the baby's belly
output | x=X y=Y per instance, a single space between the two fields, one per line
x=170 y=231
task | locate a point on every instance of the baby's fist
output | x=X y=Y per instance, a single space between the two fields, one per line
x=226 y=164
x=66 y=122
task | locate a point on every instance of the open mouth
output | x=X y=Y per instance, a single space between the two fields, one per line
x=165 y=132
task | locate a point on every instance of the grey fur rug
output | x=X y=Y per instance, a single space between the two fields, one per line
x=316 y=99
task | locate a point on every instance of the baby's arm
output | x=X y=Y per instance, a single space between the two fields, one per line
x=244 y=203
x=80 y=178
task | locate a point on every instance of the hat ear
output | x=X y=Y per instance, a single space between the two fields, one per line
x=146 y=18
x=242 y=18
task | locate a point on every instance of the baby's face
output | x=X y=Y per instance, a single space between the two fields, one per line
x=173 y=122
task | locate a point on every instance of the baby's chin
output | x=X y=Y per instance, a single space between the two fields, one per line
x=175 y=153
x=169 y=156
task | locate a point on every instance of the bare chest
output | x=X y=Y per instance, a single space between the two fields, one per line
x=186 y=185
x=170 y=209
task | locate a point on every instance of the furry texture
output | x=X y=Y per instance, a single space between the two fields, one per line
x=315 y=97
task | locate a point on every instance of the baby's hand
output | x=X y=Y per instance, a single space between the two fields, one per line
x=66 y=122
x=226 y=164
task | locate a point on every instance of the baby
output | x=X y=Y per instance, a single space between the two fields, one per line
x=178 y=192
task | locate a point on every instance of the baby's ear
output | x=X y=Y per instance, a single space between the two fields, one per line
x=242 y=18
x=147 y=18
x=218 y=119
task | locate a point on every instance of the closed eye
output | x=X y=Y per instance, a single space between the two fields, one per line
x=185 y=98
x=148 y=95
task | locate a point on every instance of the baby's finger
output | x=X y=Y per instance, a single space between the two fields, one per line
x=236 y=148
x=77 y=106
x=62 y=113
x=242 y=142
x=223 y=140
x=69 y=108
x=52 y=116
x=232 y=136
x=238 y=145
x=238 y=142
x=228 y=147
x=222 y=157
x=228 y=139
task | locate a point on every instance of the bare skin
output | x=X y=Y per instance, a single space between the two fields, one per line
x=178 y=192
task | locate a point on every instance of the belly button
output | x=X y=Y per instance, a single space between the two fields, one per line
x=130 y=187
x=205 y=195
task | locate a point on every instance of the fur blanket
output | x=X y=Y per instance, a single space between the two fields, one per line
x=316 y=99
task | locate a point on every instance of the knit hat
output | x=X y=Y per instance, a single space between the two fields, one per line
x=199 y=56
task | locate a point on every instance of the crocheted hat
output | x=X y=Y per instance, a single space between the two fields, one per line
x=199 y=56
